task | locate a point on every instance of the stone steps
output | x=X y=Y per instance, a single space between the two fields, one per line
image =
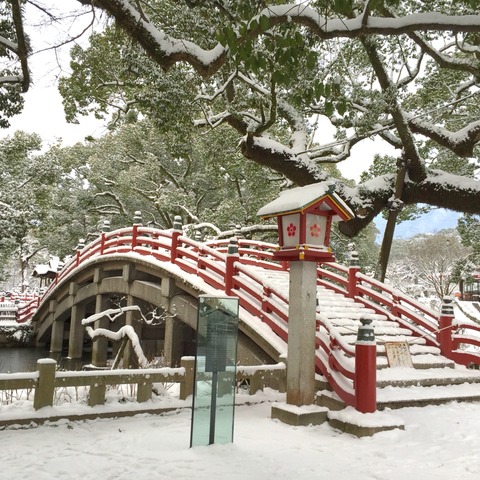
x=433 y=379
x=394 y=397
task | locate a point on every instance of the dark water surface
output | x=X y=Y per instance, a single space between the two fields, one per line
x=13 y=360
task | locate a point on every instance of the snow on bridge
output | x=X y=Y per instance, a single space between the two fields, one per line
x=244 y=268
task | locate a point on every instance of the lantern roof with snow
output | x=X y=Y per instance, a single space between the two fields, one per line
x=317 y=197
x=304 y=217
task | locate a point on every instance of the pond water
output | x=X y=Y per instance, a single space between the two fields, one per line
x=13 y=360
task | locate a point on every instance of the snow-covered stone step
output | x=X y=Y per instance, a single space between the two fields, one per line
x=420 y=361
x=347 y=314
x=417 y=396
x=348 y=322
x=337 y=300
x=406 y=377
x=412 y=396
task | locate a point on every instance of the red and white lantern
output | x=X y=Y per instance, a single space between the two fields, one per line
x=305 y=216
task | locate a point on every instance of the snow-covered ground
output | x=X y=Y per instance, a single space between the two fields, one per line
x=439 y=442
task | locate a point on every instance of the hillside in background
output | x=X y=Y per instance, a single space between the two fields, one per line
x=431 y=222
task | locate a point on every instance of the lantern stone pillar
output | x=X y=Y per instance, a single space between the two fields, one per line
x=304 y=217
x=301 y=333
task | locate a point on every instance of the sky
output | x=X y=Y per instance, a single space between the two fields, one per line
x=43 y=112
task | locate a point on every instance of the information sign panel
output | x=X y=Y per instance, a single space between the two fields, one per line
x=398 y=354
x=215 y=371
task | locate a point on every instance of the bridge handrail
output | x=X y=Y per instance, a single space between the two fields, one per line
x=466 y=338
x=25 y=312
x=397 y=300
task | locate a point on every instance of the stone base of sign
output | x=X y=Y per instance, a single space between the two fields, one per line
x=363 y=424
x=299 y=416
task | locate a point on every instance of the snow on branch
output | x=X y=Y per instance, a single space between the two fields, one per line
x=13 y=47
x=462 y=142
x=163 y=48
x=127 y=331
x=11 y=79
x=167 y=50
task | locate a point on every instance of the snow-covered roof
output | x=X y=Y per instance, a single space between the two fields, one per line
x=301 y=198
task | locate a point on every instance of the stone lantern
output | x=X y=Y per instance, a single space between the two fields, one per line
x=304 y=216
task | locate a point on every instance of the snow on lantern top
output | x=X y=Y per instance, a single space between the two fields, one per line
x=304 y=216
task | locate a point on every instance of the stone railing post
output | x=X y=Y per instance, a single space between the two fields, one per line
x=353 y=269
x=96 y=394
x=46 y=383
x=186 y=387
x=445 y=326
x=144 y=391
x=231 y=258
x=177 y=231
x=366 y=368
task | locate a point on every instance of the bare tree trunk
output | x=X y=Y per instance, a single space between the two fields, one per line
x=381 y=269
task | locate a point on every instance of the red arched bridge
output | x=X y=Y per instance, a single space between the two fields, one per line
x=164 y=272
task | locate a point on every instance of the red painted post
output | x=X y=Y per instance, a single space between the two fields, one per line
x=445 y=326
x=395 y=305
x=105 y=229
x=177 y=231
x=134 y=236
x=353 y=269
x=80 y=247
x=365 y=369
x=137 y=222
x=102 y=243
x=267 y=292
x=230 y=270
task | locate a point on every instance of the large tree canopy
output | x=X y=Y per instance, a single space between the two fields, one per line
x=405 y=71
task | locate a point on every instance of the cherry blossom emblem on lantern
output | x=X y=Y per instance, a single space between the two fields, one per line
x=291 y=229
x=315 y=230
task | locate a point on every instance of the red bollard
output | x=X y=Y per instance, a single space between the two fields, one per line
x=366 y=369
x=444 y=335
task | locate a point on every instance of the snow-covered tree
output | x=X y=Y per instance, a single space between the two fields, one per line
x=124 y=334
x=25 y=188
x=425 y=265
x=405 y=72
x=401 y=71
